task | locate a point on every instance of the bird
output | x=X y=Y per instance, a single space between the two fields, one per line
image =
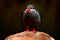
x=31 y=17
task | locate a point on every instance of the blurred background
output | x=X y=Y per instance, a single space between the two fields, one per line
x=11 y=16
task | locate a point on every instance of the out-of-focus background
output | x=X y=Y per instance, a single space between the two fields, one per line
x=11 y=16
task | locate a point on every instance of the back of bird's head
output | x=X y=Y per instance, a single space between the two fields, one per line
x=30 y=6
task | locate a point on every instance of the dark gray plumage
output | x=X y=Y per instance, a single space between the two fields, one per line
x=34 y=15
